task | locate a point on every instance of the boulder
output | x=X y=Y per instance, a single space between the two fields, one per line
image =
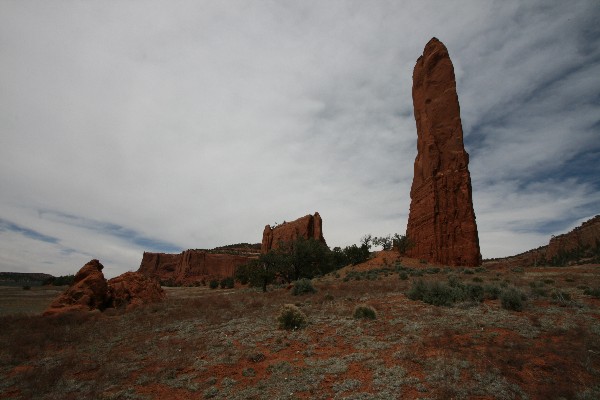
x=133 y=289
x=88 y=292
x=307 y=227
x=441 y=222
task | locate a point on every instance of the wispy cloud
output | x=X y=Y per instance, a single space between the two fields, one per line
x=28 y=233
x=110 y=229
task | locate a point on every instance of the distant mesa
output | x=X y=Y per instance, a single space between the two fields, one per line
x=192 y=267
x=307 y=227
x=441 y=222
x=90 y=291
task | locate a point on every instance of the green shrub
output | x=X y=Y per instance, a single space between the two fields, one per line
x=291 y=317
x=477 y=279
x=445 y=294
x=433 y=270
x=473 y=293
x=594 y=292
x=468 y=271
x=227 y=283
x=364 y=312
x=491 y=292
x=403 y=276
x=303 y=286
x=512 y=299
x=26 y=287
x=213 y=284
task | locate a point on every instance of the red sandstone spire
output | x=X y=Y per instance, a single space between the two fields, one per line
x=441 y=223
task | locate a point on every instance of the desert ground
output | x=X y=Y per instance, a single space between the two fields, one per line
x=227 y=343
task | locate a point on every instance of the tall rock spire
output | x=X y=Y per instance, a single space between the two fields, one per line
x=441 y=223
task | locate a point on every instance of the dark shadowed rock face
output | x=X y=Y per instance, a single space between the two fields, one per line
x=441 y=223
x=309 y=226
x=90 y=291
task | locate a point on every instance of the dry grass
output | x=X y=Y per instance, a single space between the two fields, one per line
x=225 y=344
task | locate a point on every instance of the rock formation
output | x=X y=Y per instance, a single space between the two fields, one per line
x=309 y=226
x=193 y=266
x=133 y=289
x=441 y=223
x=90 y=291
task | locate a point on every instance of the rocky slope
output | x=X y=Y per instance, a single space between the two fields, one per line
x=582 y=244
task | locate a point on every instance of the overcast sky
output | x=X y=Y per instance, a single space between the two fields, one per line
x=138 y=126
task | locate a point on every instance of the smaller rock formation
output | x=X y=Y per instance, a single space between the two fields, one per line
x=133 y=289
x=90 y=291
x=307 y=227
x=193 y=266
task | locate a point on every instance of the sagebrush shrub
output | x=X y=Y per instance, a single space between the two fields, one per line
x=303 y=286
x=213 y=284
x=445 y=294
x=594 y=292
x=227 y=283
x=512 y=299
x=364 y=312
x=291 y=317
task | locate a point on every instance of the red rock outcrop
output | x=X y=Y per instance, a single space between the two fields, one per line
x=585 y=236
x=132 y=289
x=309 y=226
x=583 y=244
x=193 y=266
x=441 y=223
x=88 y=292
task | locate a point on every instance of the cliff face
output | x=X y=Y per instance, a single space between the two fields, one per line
x=309 y=226
x=441 y=223
x=193 y=266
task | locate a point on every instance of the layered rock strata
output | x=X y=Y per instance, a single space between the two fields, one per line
x=193 y=266
x=307 y=227
x=441 y=223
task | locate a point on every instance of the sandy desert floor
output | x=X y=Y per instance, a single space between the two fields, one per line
x=226 y=344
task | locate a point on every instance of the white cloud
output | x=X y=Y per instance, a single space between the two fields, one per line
x=198 y=123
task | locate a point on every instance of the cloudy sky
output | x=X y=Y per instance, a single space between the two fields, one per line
x=138 y=126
